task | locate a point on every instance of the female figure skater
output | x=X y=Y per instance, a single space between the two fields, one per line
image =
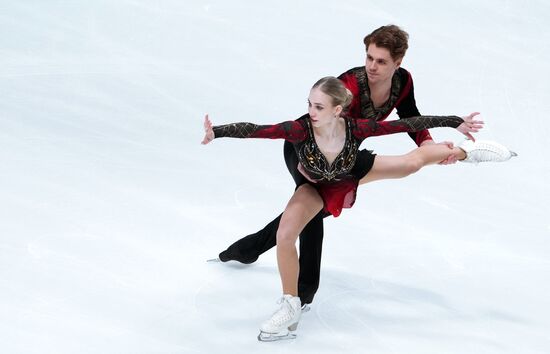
x=327 y=144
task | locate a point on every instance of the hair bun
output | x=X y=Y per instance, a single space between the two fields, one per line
x=333 y=87
x=348 y=99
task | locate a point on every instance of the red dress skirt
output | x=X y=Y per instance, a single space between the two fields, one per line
x=338 y=195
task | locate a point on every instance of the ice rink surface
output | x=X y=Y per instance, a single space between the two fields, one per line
x=109 y=206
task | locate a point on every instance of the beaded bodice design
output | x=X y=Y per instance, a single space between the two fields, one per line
x=317 y=165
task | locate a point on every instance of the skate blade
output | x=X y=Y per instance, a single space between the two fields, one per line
x=273 y=337
x=305 y=308
x=513 y=153
x=289 y=333
x=213 y=260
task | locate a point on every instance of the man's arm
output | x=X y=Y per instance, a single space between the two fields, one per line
x=407 y=108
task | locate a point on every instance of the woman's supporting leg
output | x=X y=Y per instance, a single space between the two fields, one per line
x=302 y=207
x=249 y=248
x=388 y=167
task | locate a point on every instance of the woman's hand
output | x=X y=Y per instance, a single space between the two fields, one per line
x=470 y=125
x=452 y=158
x=449 y=160
x=208 y=132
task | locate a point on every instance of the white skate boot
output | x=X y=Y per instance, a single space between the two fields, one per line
x=284 y=321
x=485 y=151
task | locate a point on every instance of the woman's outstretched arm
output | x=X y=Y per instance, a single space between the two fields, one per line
x=292 y=131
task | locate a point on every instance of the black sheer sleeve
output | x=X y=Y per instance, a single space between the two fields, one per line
x=366 y=127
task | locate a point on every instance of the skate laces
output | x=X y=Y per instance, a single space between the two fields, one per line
x=486 y=152
x=285 y=313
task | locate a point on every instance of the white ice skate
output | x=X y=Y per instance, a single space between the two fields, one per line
x=283 y=323
x=485 y=151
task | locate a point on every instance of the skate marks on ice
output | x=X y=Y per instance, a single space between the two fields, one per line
x=233 y=300
x=65 y=291
x=388 y=315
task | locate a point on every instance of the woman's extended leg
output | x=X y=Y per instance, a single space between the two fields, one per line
x=388 y=167
x=302 y=207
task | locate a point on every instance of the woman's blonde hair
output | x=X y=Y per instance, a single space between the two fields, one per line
x=336 y=90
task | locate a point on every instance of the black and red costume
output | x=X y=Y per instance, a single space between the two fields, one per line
x=334 y=181
x=250 y=247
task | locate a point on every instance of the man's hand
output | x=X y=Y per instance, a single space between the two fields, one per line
x=470 y=125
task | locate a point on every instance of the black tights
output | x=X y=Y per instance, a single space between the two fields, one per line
x=249 y=248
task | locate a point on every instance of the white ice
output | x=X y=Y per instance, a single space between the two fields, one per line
x=109 y=205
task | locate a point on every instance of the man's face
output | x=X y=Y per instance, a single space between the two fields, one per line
x=379 y=64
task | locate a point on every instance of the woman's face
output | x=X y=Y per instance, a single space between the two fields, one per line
x=379 y=65
x=320 y=108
